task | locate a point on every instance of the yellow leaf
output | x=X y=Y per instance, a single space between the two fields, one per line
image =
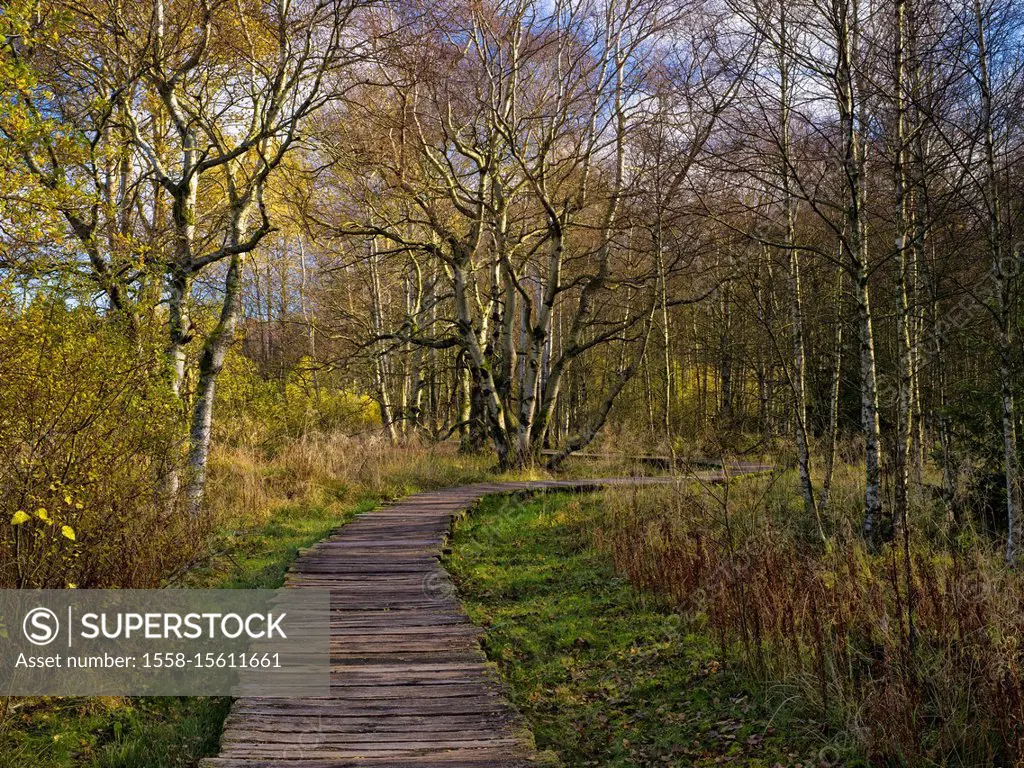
x=19 y=518
x=68 y=531
x=41 y=514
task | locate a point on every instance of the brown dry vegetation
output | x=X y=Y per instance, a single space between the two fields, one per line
x=920 y=670
x=248 y=484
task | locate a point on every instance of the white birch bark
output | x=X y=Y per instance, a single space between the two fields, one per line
x=1004 y=266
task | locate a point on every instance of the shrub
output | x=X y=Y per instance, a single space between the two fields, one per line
x=88 y=427
x=256 y=411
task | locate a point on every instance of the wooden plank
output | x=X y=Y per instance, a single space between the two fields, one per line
x=496 y=759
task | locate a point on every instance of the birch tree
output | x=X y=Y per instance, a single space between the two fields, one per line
x=1002 y=251
x=205 y=100
x=508 y=169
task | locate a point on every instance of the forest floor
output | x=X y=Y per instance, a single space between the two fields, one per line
x=605 y=674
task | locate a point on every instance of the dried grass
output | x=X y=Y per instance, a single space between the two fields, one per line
x=918 y=671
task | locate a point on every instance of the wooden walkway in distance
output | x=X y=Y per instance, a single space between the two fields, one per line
x=410 y=687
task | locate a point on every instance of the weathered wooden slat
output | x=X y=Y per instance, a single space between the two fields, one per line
x=495 y=759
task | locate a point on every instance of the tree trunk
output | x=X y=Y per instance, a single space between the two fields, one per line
x=210 y=364
x=1001 y=265
x=869 y=409
x=832 y=434
x=852 y=114
x=796 y=313
x=380 y=361
x=904 y=417
x=183 y=214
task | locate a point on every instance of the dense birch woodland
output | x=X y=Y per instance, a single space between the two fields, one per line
x=519 y=232
x=786 y=227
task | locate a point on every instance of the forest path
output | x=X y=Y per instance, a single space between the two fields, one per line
x=410 y=685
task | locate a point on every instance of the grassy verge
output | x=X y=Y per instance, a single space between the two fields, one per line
x=135 y=733
x=604 y=674
x=907 y=652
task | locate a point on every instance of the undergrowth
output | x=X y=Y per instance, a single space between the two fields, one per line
x=910 y=650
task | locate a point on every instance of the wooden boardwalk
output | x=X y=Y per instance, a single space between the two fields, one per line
x=410 y=687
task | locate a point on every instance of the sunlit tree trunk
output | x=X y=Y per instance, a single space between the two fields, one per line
x=211 y=361
x=380 y=357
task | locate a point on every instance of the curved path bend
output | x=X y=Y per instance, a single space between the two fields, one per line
x=410 y=685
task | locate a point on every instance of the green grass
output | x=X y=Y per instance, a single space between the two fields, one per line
x=259 y=557
x=152 y=732
x=604 y=675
